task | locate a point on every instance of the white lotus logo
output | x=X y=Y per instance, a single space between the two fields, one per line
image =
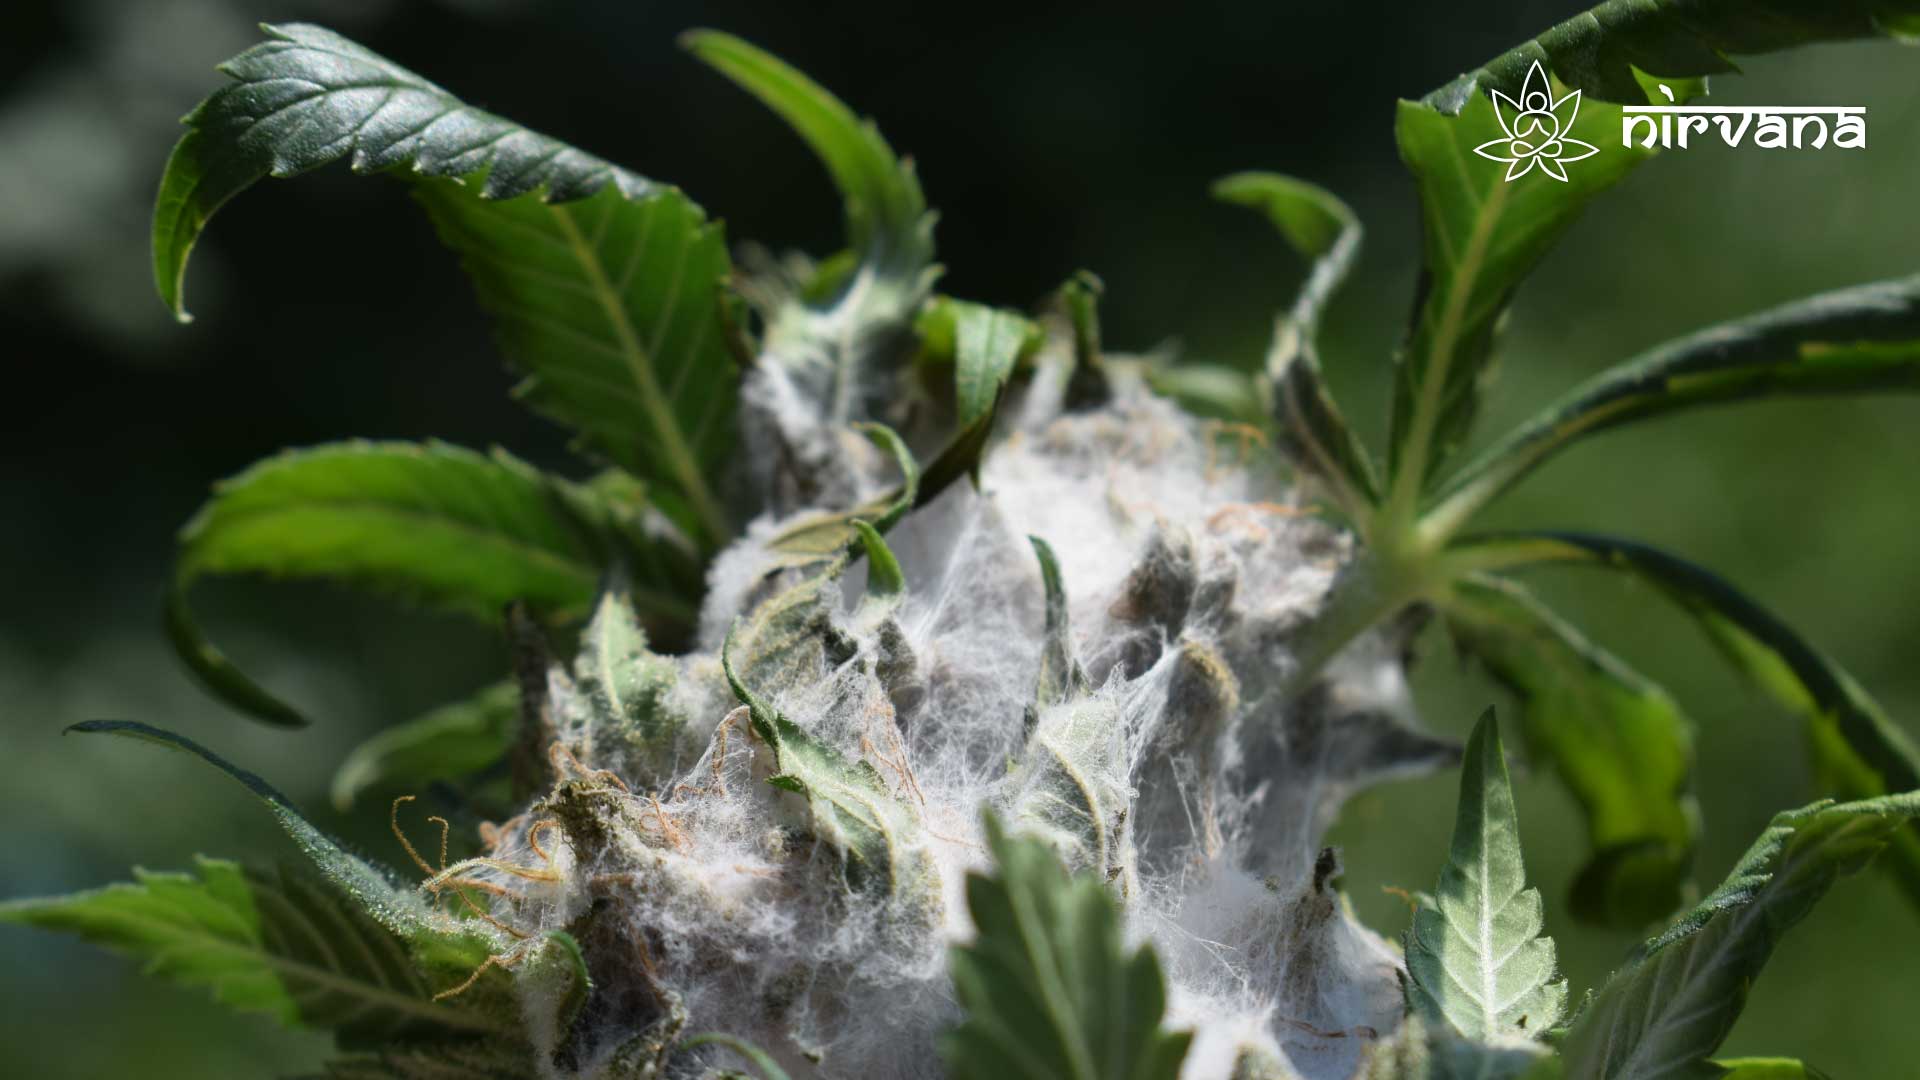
x=1536 y=128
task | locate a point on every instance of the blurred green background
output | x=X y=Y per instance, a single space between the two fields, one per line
x=1050 y=140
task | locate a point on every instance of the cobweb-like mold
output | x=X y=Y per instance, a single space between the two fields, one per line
x=1181 y=757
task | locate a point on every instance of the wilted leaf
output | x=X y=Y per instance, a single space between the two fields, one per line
x=983 y=343
x=851 y=807
x=621 y=714
x=1322 y=228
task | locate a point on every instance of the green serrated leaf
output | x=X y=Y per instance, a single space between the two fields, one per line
x=447 y=952
x=1619 y=743
x=1050 y=989
x=606 y=285
x=429 y=523
x=1608 y=50
x=1669 y=1009
x=1323 y=229
x=1476 y=957
x=1859 y=751
x=272 y=941
x=1859 y=340
x=852 y=810
x=455 y=740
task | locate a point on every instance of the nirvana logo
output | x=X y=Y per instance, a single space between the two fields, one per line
x=1536 y=128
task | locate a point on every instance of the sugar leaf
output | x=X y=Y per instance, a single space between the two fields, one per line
x=1475 y=954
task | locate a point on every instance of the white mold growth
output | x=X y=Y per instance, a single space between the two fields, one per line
x=811 y=914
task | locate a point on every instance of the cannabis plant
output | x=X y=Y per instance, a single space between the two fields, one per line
x=911 y=687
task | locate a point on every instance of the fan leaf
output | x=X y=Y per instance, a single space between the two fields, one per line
x=434 y=524
x=1484 y=233
x=1619 y=743
x=446 y=951
x=455 y=740
x=606 y=286
x=1859 y=340
x=1859 y=751
x=1674 y=1003
x=272 y=941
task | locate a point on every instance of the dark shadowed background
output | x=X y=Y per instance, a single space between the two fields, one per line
x=1049 y=140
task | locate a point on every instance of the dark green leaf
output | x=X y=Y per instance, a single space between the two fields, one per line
x=887 y=221
x=1321 y=228
x=1859 y=751
x=1669 y=1009
x=434 y=524
x=983 y=343
x=1619 y=743
x=1050 y=989
x=446 y=951
x=455 y=740
x=276 y=942
x=1598 y=51
x=1484 y=233
x=1857 y=340
x=1476 y=957
x=606 y=285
